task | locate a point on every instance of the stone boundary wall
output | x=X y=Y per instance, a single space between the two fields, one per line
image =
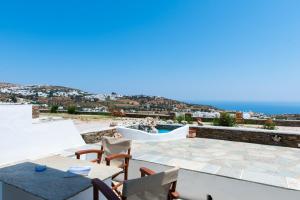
x=139 y=115
x=95 y=137
x=77 y=112
x=278 y=138
x=290 y=123
x=35 y=112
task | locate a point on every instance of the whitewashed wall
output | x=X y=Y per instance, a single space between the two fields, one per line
x=15 y=118
x=133 y=134
x=20 y=139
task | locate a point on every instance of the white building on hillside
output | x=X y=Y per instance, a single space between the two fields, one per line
x=206 y=114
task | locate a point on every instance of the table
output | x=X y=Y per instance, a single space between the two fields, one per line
x=20 y=181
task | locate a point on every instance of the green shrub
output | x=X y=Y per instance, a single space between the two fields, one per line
x=225 y=120
x=180 y=118
x=14 y=99
x=189 y=119
x=184 y=118
x=54 y=109
x=269 y=125
x=72 y=110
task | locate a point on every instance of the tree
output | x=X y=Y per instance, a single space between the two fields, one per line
x=54 y=109
x=189 y=118
x=14 y=99
x=72 y=110
x=180 y=118
x=225 y=120
x=51 y=94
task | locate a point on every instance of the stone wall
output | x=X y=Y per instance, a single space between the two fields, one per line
x=291 y=123
x=279 y=138
x=35 y=112
x=139 y=115
x=95 y=137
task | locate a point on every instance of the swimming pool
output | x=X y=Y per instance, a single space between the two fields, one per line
x=164 y=133
x=164 y=130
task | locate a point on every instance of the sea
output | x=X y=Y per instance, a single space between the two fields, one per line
x=269 y=108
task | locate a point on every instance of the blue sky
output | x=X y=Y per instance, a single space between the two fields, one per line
x=189 y=50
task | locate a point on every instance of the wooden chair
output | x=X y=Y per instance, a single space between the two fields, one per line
x=116 y=153
x=151 y=186
x=172 y=193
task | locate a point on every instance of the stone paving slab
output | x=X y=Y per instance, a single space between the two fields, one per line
x=271 y=165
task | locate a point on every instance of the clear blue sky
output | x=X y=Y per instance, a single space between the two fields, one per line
x=190 y=50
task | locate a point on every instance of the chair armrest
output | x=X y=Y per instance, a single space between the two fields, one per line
x=98 y=151
x=99 y=185
x=175 y=195
x=145 y=171
x=83 y=152
x=117 y=156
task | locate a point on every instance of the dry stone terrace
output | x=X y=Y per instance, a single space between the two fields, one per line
x=266 y=164
x=214 y=153
x=271 y=165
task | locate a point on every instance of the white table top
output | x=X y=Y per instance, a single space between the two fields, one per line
x=52 y=184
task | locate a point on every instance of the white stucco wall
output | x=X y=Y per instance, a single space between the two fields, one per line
x=133 y=134
x=20 y=139
x=14 y=118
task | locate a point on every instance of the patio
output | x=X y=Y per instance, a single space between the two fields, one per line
x=271 y=165
x=223 y=169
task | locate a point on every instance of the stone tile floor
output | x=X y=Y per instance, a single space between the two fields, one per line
x=272 y=165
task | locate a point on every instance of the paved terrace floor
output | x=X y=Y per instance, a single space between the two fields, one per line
x=271 y=165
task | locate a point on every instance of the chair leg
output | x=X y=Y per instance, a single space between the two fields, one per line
x=96 y=193
x=126 y=169
x=126 y=173
x=115 y=188
x=173 y=194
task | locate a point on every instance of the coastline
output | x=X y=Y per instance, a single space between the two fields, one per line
x=269 y=108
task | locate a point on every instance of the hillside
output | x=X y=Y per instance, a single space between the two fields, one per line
x=4 y=85
x=46 y=96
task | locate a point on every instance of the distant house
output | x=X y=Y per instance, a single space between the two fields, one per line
x=60 y=108
x=206 y=114
x=42 y=94
x=247 y=115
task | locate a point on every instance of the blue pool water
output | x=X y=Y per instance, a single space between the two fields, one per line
x=163 y=130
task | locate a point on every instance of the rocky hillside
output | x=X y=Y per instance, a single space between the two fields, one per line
x=46 y=96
